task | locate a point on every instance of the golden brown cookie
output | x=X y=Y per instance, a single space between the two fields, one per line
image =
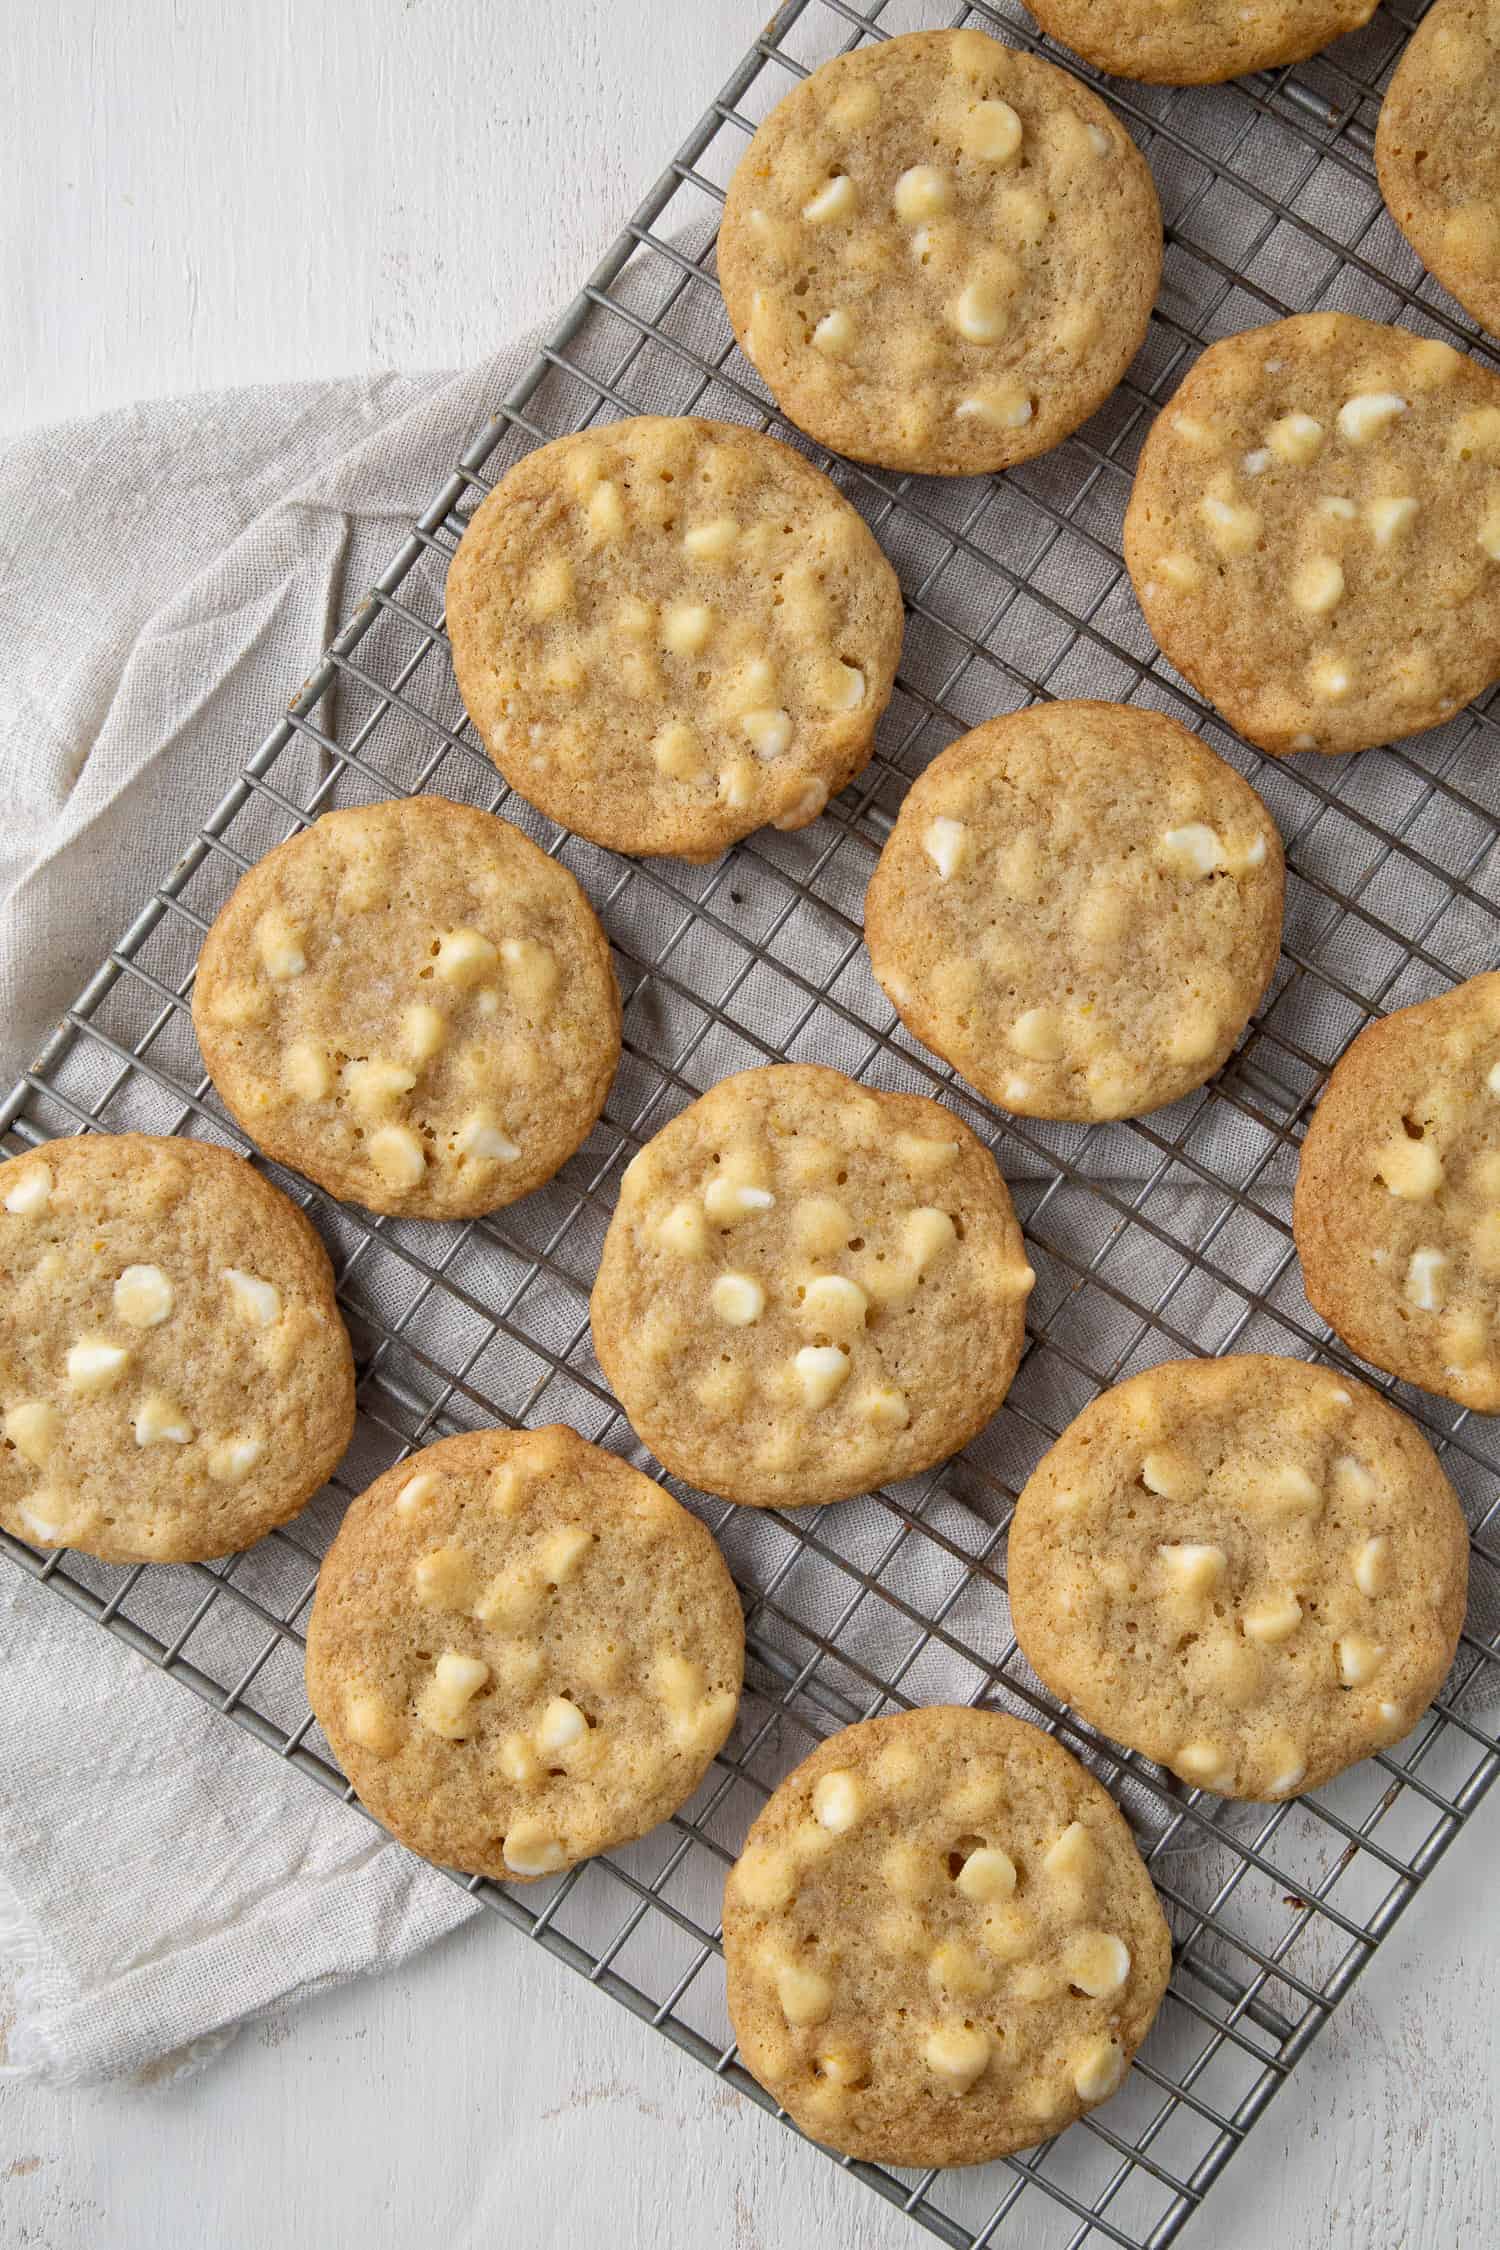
x=1397 y=1210
x=809 y=1288
x=1314 y=532
x=1437 y=150
x=941 y=1943
x=174 y=1375
x=1250 y=1569
x=1197 y=42
x=412 y=1005
x=1078 y=907
x=669 y=632
x=940 y=254
x=522 y=1651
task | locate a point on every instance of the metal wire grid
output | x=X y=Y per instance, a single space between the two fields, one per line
x=1165 y=1236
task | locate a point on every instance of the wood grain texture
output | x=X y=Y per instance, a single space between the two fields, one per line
x=197 y=196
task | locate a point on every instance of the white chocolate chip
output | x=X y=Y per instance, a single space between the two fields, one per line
x=1097 y=1963
x=29 y=1188
x=738 y=1299
x=1410 y=1169
x=1489 y=534
x=927 y=1236
x=158 y=1421
x=1256 y=463
x=1274 y=1619
x=726 y=1200
x=605 y=510
x=32 y=1428
x=307 y=1070
x=143 y=1297
x=712 y=541
x=1331 y=679
x=1424 y=1279
x=1070 y=1855
x=988 y=1875
x=94 y=1364
x=1372 y=1567
x=44 y=1518
x=1389 y=518
x=1296 y=439
x=768 y=732
x=444 y=1579
x=518 y=1762
x=559 y=1556
x=1170 y=1475
x=1194 y=1566
x=465 y=957
x=1290 y=1767
x=686 y=627
x=834 y=334
x=1194 y=850
x=233 y=1458
x=373 y=1725
x=416 y=1492
x=1098 y=2070
x=444 y=1703
x=678 y=752
x=375 y=1083
x=832 y=1301
x=529 y=1849
x=1038 y=1034
x=1366 y=415
x=1337 y=509
x=992 y=130
x=1359 y=1659
x=1003 y=405
x=981 y=314
x=1290 y=1491
x=844 y=686
x=884 y=1406
x=256 y=1302
x=561 y=1725
x=1319 y=585
x=280 y=947
x=683 y=1231
x=834 y=200
x=805 y=1996
x=821 y=1370
x=920 y=193
x=1204 y=1764
x=1234 y=530
x=397 y=1156
x=946 y=844
x=957 y=2054
x=838 y=1801
x=480 y=1136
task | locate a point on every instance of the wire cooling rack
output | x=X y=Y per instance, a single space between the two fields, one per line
x=1150 y=1240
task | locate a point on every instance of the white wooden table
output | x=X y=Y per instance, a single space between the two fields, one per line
x=193 y=196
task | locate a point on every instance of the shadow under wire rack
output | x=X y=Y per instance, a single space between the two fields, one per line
x=1162 y=1237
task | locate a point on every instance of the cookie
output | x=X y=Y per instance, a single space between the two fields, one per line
x=809 y=1287
x=940 y=1941
x=1250 y=1569
x=174 y=1375
x=412 y=1005
x=523 y=1652
x=940 y=254
x=669 y=632
x=1078 y=907
x=1437 y=151
x=1171 y=43
x=1397 y=1208
x=1314 y=532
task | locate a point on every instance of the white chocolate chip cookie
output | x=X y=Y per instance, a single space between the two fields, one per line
x=1079 y=907
x=1197 y=42
x=523 y=1652
x=809 y=1288
x=1314 y=532
x=940 y=254
x=1437 y=150
x=669 y=632
x=1250 y=1569
x=940 y=1941
x=1397 y=1210
x=413 y=1005
x=175 y=1378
